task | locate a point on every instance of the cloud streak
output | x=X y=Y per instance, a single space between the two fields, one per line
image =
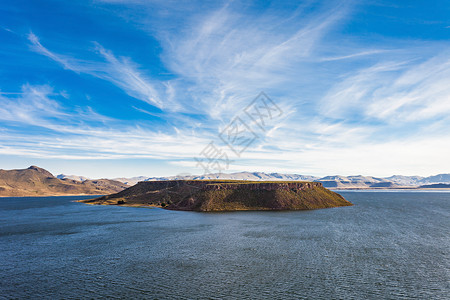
x=82 y=135
x=120 y=71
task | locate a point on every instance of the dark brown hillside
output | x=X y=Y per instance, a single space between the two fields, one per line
x=36 y=181
x=226 y=195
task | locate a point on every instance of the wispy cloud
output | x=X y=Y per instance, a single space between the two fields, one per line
x=228 y=58
x=356 y=55
x=399 y=91
x=84 y=134
x=65 y=61
x=31 y=106
x=120 y=71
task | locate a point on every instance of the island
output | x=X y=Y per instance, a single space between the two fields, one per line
x=225 y=195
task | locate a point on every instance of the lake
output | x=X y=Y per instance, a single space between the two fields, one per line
x=389 y=245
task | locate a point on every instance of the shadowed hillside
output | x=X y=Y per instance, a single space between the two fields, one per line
x=36 y=181
x=226 y=195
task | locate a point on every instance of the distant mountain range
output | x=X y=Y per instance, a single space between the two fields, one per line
x=336 y=181
x=36 y=181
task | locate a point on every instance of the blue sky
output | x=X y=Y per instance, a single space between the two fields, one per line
x=109 y=88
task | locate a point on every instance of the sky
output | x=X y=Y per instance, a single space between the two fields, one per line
x=122 y=88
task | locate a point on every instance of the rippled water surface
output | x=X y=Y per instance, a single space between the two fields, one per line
x=388 y=246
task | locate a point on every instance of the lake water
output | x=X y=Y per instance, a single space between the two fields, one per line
x=388 y=246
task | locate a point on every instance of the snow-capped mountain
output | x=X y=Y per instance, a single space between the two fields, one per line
x=132 y=180
x=334 y=181
x=72 y=177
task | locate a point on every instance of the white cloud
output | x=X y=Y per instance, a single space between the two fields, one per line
x=124 y=74
x=32 y=106
x=226 y=58
x=356 y=55
x=402 y=91
x=53 y=131
x=118 y=70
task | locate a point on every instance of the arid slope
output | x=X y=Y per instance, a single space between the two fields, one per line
x=36 y=181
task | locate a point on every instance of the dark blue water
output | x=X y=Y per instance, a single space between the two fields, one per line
x=387 y=246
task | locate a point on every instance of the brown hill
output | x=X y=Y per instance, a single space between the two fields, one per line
x=226 y=195
x=36 y=181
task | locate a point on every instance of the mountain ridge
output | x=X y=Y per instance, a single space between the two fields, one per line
x=35 y=181
x=333 y=181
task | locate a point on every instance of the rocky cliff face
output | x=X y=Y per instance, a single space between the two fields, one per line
x=266 y=186
x=226 y=195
